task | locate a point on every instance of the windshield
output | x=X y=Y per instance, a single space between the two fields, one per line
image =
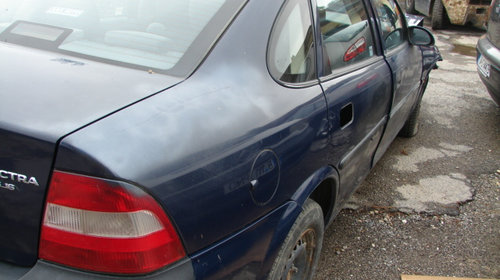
x=150 y=34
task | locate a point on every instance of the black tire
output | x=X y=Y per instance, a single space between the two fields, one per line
x=410 y=128
x=437 y=20
x=410 y=7
x=299 y=254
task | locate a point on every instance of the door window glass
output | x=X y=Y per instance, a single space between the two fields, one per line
x=291 y=53
x=345 y=32
x=390 y=22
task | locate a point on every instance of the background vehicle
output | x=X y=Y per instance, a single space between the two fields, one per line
x=459 y=12
x=488 y=54
x=193 y=139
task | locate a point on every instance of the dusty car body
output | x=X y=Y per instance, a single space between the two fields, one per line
x=200 y=139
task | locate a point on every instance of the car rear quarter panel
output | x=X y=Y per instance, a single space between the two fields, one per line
x=193 y=146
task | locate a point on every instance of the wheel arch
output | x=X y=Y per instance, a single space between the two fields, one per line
x=325 y=194
x=322 y=187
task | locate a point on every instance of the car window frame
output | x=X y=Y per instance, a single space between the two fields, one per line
x=304 y=84
x=324 y=75
x=405 y=41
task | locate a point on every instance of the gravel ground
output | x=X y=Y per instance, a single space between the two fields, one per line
x=431 y=206
x=383 y=244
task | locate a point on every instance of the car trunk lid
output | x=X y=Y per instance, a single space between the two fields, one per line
x=45 y=96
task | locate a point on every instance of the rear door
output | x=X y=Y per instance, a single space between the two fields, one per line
x=405 y=62
x=357 y=85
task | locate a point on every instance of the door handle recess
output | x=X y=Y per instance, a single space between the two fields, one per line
x=346 y=115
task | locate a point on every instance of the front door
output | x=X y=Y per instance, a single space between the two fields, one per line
x=405 y=61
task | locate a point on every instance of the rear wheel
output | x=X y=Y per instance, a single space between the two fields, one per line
x=437 y=19
x=299 y=254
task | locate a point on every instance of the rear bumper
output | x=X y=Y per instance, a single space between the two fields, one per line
x=492 y=55
x=11 y=272
x=249 y=253
x=43 y=270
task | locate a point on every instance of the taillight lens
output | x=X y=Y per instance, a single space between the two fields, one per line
x=105 y=226
x=357 y=48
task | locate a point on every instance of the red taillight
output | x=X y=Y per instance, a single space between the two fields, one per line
x=103 y=226
x=357 y=48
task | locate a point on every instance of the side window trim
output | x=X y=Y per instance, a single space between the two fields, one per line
x=314 y=78
x=374 y=26
x=324 y=71
x=378 y=24
x=352 y=68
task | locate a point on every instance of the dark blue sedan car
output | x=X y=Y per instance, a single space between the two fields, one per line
x=193 y=139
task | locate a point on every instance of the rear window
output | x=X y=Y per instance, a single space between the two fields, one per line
x=169 y=36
